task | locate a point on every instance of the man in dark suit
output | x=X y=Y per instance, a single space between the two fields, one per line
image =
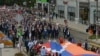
x=65 y=31
x=26 y=45
x=52 y=33
x=56 y=32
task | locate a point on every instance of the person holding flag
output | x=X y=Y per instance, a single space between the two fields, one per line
x=19 y=32
x=19 y=36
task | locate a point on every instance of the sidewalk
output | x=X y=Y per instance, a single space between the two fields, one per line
x=95 y=43
x=10 y=51
x=73 y=25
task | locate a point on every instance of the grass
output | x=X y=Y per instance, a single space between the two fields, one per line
x=94 y=37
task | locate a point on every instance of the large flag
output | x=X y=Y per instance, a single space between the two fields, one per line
x=66 y=49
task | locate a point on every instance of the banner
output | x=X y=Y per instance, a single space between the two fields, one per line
x=42 y=1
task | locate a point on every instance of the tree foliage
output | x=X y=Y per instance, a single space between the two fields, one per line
x=19 y=2
x=1 y=2
x=30 y=3
x=8 y=2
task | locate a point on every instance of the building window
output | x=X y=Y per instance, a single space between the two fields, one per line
x=95 y=16
x=61 y=11
x=71 y=13
x=84 y=13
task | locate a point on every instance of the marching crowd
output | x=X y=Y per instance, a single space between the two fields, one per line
x=30 y=27
x=34 y=31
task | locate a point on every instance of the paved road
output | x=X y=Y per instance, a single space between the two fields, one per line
x=78 y=36
x=9 y=51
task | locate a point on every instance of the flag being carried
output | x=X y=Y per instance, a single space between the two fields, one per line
x=19 y=32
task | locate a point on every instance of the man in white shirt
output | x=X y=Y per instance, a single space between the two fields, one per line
x=30 y=44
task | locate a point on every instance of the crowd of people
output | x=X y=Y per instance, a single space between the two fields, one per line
x=40 y=29
x=33 y=28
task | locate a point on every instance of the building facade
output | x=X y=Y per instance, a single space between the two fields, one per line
x=46 y=5
x=81 y=11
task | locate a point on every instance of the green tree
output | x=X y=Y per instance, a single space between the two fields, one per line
x=19 y=2
x=1 y=2
x=30 y=3
x=9 y=2
x=33 y=2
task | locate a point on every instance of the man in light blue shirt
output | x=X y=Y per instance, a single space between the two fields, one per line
x=30 y=44
x=43 y=52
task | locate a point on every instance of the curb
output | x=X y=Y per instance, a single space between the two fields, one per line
x=77 y=30
x=93 y=43
x=24 y=52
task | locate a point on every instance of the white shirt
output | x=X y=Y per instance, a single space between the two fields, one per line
x=33 y=28
x=30 y=44
x=30 y=34
x=35 y=41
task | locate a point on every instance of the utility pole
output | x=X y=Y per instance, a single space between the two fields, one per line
x=77 y=12
x=76 y=8
x=97 y=10
x=89 y=12
x=96 y=20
